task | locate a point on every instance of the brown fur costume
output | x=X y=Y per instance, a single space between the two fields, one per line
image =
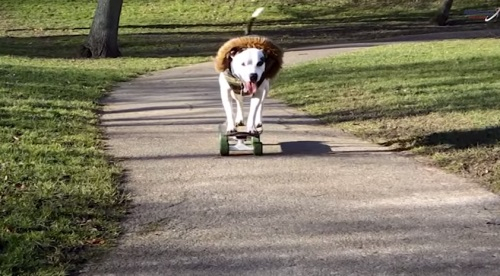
x=274 y=54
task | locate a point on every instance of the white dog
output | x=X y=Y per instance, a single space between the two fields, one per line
x=246 y=64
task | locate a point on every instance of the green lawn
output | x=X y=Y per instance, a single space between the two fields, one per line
x=158 y=28
x=59 y=192
x=44 y=14
x=439 y=99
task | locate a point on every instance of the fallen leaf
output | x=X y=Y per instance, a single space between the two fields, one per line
x=20 y=186
x=96 y=241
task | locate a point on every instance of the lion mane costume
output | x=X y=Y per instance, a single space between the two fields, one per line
x=273 y=53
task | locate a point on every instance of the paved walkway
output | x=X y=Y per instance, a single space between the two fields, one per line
x=320 y=202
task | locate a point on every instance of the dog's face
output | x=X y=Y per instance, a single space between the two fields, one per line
x=249 y=66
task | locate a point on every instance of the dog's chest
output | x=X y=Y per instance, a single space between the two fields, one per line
x=235 y=83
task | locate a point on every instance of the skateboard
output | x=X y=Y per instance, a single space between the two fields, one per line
x=239 y=141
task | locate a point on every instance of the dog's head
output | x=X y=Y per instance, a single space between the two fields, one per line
x=247 y=56
x=249 y=66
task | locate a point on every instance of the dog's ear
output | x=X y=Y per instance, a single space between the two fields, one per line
x=234 y=51
x=270 y=66
x=229 y=57
x=273 y=66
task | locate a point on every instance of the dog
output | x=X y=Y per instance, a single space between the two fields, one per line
x=246 y=65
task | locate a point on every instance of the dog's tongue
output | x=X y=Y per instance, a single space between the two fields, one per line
x=251 y=87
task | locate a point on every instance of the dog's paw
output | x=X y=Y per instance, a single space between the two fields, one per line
x=252 y=131
x=231 y=131
x=259 y=128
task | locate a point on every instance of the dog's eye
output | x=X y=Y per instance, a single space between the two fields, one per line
x=242 y=64
x=260 y=63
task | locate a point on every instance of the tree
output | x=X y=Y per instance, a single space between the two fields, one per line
x=103 y=37
x=444 y=12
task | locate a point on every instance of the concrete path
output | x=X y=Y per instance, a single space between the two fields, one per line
x=320 y=202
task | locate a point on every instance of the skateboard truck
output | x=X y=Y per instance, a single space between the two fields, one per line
x=239 y=141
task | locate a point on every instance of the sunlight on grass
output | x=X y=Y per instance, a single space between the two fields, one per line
x=59 y=192
x=64 y=13
x=160 y=28
x=440 y=99
x=42 y=14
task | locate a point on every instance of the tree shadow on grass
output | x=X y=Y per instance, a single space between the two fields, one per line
x=436 y=94
x=411 y=108
x=307 y=17
x=151 y=41
x=462 y=139
x=452 y=140
x=388 y=108
x=42 y=84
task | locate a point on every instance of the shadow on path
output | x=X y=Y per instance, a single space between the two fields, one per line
x=304 y=148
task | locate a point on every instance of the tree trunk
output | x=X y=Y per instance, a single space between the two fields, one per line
x=444 y=12
x=103 y=37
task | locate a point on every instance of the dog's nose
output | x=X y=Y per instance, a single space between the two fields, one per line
x=253 y=77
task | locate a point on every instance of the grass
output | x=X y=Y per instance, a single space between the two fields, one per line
x=59 y=192
x=159 y=28
x=438 y=99
x=76 y=13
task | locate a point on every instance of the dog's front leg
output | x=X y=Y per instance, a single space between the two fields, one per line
x=239 y=109
x=258 y=115
x=255 y=101
x=225 y=92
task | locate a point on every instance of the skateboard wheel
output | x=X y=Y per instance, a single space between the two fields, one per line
x=223 y=145
x=257 y=147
